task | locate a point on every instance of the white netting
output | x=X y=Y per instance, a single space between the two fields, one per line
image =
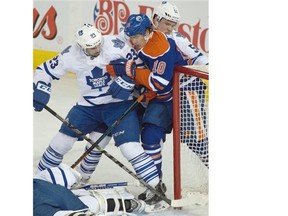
x=193 y=116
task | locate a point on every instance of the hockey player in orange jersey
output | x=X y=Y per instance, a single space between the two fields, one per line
x=166 y=18
x=160 y=55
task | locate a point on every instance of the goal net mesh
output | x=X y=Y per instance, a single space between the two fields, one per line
x=191 y=96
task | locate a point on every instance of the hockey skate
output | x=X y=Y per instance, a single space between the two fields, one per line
x=136 y=206
x=143 y=195
x=83 y=180
x=151 y=198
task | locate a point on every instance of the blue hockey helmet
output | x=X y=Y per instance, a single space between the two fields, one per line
x=137 y=24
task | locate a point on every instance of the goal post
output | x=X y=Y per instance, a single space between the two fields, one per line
x=190 y=131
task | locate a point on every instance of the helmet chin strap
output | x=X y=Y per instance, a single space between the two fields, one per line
x=84 y=50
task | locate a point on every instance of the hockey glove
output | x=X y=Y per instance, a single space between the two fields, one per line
x=41 y=95
x=149 y=95
x=139 y=90
x=122 y=67
x=122 y=87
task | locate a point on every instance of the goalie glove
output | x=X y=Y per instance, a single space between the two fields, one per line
x=121 y=67
x=41 y=95
x=122 y=87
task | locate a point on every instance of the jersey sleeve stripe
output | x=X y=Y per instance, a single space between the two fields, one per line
x=48 y=72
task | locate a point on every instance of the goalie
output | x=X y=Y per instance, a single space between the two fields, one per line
x=52 y=196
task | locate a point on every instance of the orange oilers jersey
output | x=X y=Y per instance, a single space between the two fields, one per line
x=160 y=56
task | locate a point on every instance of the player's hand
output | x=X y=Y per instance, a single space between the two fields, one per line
x=122 y=67
x=122 y=87
x=41 y=95
x=149 y=95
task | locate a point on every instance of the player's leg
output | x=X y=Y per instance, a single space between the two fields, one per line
x=126 y=135
x=54 y=153
x=90 y=162
x=80 y=117
x=156 y=123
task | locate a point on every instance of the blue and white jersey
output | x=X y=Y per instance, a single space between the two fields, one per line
x=91 y=74
x=188 y=49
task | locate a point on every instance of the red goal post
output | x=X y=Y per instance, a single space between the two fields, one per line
x=190 y=131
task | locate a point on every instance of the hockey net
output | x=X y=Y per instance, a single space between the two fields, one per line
x=190 y=133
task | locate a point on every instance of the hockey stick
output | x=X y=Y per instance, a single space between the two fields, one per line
x=110 y=185
x=95 y=145
x=108 y=131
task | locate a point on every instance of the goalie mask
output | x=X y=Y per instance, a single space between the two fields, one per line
x=88 y=37
x=167 y=11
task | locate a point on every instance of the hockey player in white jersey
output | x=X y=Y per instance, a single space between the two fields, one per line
x=165 y=18
x=102 y=101
x=53 y=196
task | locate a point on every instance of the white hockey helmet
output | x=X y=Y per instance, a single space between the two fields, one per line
x=88 y=37
x=167 y=11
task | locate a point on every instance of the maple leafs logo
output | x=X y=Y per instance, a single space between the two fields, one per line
x=118 y=43
x=98 y=81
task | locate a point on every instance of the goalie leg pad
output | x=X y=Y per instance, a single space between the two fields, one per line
x=111 y=202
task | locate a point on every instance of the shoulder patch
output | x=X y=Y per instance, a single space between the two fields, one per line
x=118 y=43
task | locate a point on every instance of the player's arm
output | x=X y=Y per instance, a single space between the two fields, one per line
x=46 y=72
x=156 y=80
x=41 y=87
x=188 y=49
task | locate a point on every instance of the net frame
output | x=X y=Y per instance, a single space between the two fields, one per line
x=200 y=71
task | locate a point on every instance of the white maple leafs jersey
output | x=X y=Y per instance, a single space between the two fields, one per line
x=189 y=49
x=91 y=74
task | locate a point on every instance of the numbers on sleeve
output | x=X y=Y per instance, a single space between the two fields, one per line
x=54 y=62
x=194 y=48
x=132 y=55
